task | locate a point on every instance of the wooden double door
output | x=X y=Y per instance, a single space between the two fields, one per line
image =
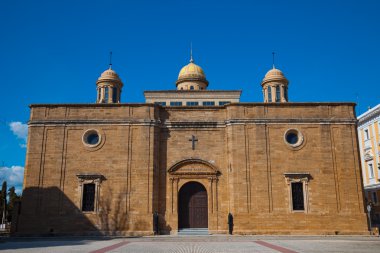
x=192 y=206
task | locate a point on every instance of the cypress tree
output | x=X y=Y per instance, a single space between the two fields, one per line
x=12 y=198
x=3 y=209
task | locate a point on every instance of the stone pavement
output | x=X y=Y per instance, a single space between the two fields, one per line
x=184 y=244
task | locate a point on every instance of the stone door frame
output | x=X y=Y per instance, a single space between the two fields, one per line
x=194 y=170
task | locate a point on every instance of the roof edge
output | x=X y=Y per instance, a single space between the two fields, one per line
x=230 y=104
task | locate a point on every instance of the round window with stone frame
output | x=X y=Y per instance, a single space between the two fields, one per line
x=91 y=138
x=293 y=138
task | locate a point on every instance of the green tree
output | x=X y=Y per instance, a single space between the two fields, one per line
x=12 y=198
x=3 y=204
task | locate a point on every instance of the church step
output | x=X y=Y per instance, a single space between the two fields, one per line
x=193 y=231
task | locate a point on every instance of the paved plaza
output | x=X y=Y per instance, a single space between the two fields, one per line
x=184 y=244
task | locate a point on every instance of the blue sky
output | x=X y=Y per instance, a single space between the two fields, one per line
x=53 y=52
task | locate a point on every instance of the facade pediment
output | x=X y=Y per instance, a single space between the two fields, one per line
x=194 y=166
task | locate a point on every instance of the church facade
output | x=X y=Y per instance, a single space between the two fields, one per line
x=192 y=156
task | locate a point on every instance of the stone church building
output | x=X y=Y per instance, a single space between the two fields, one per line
x=192 y=155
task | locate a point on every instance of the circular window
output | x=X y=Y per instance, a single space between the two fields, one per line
x=91 y=138
x=293 y=138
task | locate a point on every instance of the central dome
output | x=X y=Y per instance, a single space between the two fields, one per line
x=191 y=77
x=191 y=70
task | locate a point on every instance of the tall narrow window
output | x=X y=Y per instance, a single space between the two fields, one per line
x=286 y=93
x=269 y=94
x=366 y=133
x=88 y=199
x=99 y=93
x=374 y=197
x=370 y=168
x=114 y=94
x=298 y=185
x=278 y=94
x=106 y=95
x=297 y=196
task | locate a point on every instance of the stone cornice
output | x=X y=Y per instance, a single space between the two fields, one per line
x=292 y=121
x=372 y=187
x=101 y=105
x=186 y=79
x=90 y=176
x=297 y=174
x=369 y=115
x=194 y=124
x=94 y=122
x=193 y=94
x=192 y=91
x=287 y=104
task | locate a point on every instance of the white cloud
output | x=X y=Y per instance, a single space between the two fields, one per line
x=20 y=130
x=14 y=176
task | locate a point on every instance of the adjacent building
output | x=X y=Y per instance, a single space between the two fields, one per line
x=193 y=156
x=369 y=141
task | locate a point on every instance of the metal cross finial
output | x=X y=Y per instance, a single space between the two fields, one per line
x=193 y=139
x=273 y=58
x=110 y=60
x=191 y=52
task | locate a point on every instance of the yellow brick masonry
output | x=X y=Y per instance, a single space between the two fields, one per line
x=241 y=146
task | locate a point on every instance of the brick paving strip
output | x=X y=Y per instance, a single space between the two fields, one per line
x=111 y=247
x=275 y=247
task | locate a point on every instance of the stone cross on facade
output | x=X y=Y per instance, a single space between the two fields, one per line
x=193 y=139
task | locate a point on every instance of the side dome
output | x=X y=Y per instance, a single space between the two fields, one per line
x=109 y=75
x=109 y=86
x=191 y=77
x=274 y=75
x=275 y=86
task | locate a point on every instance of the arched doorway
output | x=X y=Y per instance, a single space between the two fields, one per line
x=192 y=206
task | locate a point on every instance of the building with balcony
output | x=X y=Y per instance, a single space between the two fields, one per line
x=369 y=141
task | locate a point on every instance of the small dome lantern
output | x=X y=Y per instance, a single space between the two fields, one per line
x=275 y=86
x=109 y=86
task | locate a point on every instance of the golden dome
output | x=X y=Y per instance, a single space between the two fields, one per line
x=274 y=75
x=109 y=76
x=192 y=73
x=191 y=70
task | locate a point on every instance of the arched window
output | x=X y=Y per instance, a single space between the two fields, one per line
x=191 y=87
x=278 y=94
x=269 y=94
